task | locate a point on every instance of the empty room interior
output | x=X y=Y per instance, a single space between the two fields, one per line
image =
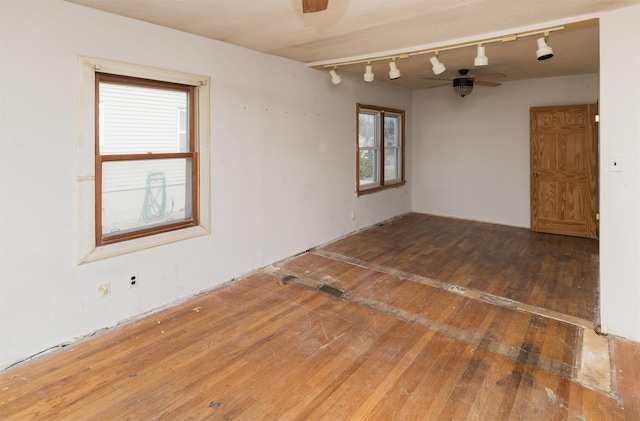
x=319 y=210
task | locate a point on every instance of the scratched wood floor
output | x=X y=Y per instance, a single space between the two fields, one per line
x=387 y=340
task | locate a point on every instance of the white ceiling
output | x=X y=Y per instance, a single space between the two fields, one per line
x=351 y=28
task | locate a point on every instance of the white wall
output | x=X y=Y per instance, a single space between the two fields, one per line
x=471 y=154
x=620 y=191
x=282 y=170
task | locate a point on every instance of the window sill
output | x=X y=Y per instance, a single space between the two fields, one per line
x=117 y=249
x=380 y=188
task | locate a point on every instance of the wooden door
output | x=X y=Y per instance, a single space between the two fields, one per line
x=563 y=170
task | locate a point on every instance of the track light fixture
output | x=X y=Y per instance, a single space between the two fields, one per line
x=481 y=58
x=544 y=52
x=335 y=77
x=368 y=73
x=394 y=73
x=437 y=67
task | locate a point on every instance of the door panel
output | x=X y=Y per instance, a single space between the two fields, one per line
x=563 y=170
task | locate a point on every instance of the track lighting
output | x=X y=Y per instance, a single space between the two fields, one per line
x=335 y=77
x=544 y=52
x=394 y=73
x=437 y=66
x=368 y=74
x=481 y=58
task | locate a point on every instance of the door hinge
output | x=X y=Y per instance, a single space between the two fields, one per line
x=597 y=216
x=597 y=118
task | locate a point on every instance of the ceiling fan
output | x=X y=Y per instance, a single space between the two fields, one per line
x=463 y=83
x=312 y=6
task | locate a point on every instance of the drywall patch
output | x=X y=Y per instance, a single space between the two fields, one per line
x=595 y=362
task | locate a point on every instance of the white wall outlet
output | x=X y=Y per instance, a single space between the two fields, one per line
x=133 y=280
x=615 y=164
x=104 y=289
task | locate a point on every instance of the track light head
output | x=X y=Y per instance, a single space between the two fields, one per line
x=394 y=73
x=481 y=58
x=437 y=67
x=335 y=77
x=544 y=52
x=368 y=74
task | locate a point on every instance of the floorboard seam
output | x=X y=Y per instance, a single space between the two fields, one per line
x=464 y=291
x=519 y=355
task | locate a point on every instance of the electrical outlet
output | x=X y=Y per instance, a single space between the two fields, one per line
x=133 y=280
x=104 y=290
x=615 y=164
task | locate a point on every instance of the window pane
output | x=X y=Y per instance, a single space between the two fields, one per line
x=145 y=193
x=391 y=125
x=366 y=130
x=368 y=167
x=391 y=165
x=139 y=119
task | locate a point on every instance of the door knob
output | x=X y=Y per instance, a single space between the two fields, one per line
x=535 y=175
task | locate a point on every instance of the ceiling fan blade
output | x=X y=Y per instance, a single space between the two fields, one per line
x=312 y=6
x=484 y=83
x=441 y=84
x=490 y=76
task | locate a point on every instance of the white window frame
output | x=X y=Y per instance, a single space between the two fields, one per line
x=87 y=251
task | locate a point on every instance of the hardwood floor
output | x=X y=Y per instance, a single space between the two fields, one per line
x=549 y=271
x=388 y=337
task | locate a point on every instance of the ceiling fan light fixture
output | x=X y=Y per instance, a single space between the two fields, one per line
x=394 y=72
x=437 y=67
x=481 y=57
x=335 y=77
x=463 y=85
x=368 y=74
x=544 y=52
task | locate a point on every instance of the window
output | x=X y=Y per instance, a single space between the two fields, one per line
x=146 y=164
x=143 y=170
x=380 y=148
